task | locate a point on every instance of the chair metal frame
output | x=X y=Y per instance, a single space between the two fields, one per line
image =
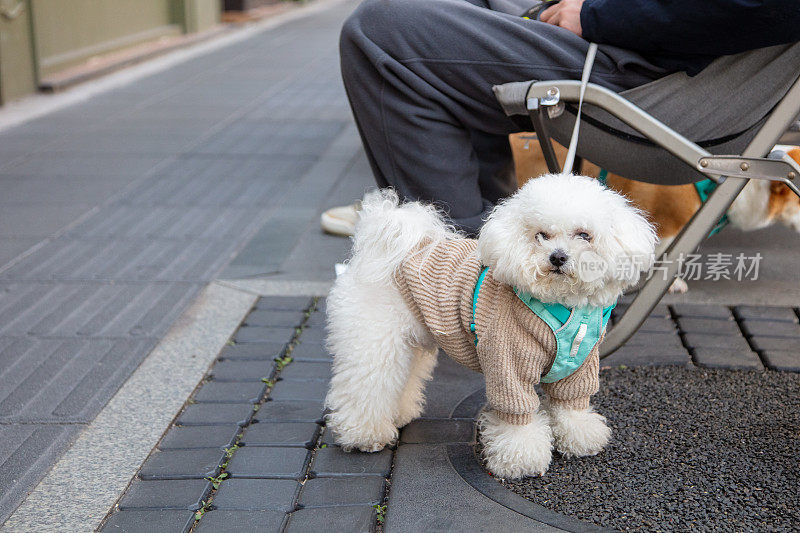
x=732 y=173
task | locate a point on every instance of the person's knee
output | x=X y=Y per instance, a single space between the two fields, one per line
x=353 y=44
x=386 y=22
x=370 y=14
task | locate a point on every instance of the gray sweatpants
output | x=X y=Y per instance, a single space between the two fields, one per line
x=419 y=77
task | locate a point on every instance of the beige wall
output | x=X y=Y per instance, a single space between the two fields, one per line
x=46 y=36
x=17 y=67
x=68 y=32
x=200 y=15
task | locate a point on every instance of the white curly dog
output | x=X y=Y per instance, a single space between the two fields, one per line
x=384 y=354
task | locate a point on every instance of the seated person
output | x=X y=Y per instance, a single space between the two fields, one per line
x=419 y=77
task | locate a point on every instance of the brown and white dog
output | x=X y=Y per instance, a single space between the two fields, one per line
x=760 y=204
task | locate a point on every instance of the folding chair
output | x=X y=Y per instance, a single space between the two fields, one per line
x=739 y=105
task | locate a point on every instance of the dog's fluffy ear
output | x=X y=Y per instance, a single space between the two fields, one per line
x=630 y=243
x=499 y=243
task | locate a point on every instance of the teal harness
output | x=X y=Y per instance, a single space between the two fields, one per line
x=577 y=331
x=703 y=187
x=602 y=177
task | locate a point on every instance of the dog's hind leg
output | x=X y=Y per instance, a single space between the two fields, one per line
x=368 y=379
x=412 y=399
x=678 y=286
x=373 y=332
x=370 y=338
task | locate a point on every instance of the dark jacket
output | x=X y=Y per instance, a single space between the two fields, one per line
x=689 y=34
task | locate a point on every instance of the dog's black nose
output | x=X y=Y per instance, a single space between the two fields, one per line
x=558 y=258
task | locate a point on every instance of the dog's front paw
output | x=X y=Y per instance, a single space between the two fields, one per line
x=579 y=432
x=514 y=451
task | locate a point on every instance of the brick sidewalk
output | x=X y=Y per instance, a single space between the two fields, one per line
x=250 y=452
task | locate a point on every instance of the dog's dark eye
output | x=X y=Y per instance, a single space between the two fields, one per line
x=583 y=235
x=542 y=236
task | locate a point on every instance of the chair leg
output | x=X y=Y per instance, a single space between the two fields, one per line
x=539 y=121
x=697 y=229
x=689 y=239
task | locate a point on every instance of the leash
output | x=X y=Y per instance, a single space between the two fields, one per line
x=569 y=162
x=533 y=14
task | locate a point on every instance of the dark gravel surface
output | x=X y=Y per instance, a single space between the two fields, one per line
x=692 y=450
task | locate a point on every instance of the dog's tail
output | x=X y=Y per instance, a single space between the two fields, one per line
x=390 y=231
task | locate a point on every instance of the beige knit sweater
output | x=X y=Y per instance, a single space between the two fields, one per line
x=515 y=346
